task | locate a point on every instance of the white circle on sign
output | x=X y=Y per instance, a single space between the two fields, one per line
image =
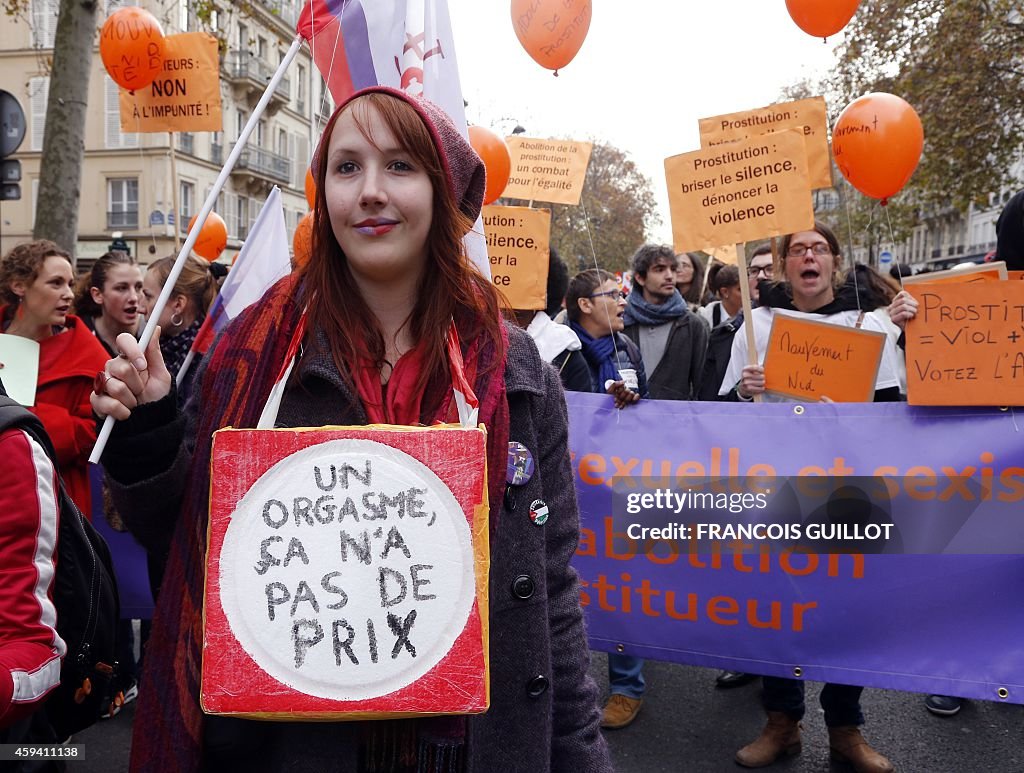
x=347 y=570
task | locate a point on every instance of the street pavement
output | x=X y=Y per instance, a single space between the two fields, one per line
x=687 y=726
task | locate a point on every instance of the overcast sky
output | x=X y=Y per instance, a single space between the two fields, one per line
x=647 y=71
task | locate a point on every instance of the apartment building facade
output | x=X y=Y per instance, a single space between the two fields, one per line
x=129 y=180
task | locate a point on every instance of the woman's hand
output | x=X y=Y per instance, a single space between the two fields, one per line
x=902 y=308
x=751 y=382
x=133 y=379
x=623 y=395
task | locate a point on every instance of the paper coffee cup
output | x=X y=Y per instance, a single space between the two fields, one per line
x=628 y=375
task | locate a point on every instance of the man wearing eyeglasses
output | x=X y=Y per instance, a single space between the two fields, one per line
x=760 y=269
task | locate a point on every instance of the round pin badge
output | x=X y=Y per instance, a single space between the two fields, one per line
x=520 y=464
x=539 y=512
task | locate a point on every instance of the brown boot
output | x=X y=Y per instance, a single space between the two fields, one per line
x=780 y=738
x=848 y=745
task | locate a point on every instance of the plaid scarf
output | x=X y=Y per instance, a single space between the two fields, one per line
x=242 y=370
x=175 y=348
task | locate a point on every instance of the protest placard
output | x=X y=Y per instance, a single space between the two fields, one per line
x=746 y=190
x=547 y=170
x=807 y=115
x=517 y=246
x=347 y=573
x=726 y=254
x=987 y=272
x=185 y=97
x=965 y=346
x=807 y=359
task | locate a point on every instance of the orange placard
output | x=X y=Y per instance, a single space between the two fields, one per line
x=1014 y=275
x=807 y=115
x=807 y=359
x=739 y=192
x=547 y=170
x=517 y=246
x=726 y=254
x=966 y=344
x=987 y=272
x=185 y=97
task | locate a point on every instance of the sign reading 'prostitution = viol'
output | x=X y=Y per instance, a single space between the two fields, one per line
x=739 y=192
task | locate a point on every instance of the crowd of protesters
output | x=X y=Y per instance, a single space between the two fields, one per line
x=397 y=188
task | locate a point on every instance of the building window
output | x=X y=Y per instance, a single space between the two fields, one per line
x=300 y=92
x=44 y=22
x=115 y=138
x=242 y=216
x=186 y=203
x=38 y=90
x=123 y=203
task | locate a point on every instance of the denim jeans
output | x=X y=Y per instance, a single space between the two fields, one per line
x=840 y=701
x=625 y=675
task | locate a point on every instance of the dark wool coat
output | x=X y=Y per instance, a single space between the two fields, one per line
x=544 y=706
x=681 y=368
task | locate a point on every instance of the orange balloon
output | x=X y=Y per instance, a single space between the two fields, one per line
x=310 y=188
x=822 y=18
x=877 y=142
x=132 y=47
x=213 y=236
x=302 y=242
x=551 y=31
x=497 y=160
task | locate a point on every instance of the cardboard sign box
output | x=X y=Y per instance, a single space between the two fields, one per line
x=347 y=573
x=547 y=170
x=517 y=247
x=966 y=344
x=807 y=359
x=987 y=272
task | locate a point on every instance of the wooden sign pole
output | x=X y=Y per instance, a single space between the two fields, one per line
x=748 y=308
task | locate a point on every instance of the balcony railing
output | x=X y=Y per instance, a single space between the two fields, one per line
x=265 y=163
x=121 y=220
x=242 y=65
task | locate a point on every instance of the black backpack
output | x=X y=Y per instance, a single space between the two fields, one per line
x=85 y=595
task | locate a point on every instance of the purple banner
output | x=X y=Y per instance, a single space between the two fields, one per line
x=129 y=556
x=945 y=624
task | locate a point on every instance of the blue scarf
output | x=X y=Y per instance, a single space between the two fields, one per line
x=639 y=310
x=599 y=354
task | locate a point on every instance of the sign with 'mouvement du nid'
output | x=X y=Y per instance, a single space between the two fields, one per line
x=346 y=573
x=807 y=360
x=739 y=192
x=807 y=115
x=185 y=96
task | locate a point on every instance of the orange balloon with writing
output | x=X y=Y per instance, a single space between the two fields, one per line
x=876 y=143
x=213 y=236
x=551 y=31
x=132 y=47
x=822 y=18
x=310 y=188
x=497 y=160
x=302 y=242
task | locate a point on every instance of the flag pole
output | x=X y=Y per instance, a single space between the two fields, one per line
x=193 y=234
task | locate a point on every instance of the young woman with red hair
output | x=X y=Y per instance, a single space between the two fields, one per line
x=388 y=285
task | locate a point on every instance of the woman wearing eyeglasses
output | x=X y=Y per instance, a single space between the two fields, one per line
x=812 y=287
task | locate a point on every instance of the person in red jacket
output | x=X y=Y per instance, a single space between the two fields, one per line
x=36 y=284
x=30 y=649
